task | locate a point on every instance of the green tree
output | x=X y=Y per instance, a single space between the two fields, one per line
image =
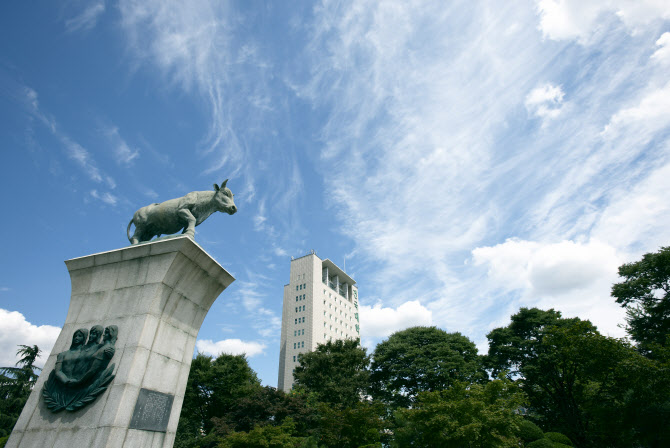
x=511 y=346
x=214 y=387
x=464 y=415
x=358 y=425
x=645 y=293
x=267 y=406
x=264 y=436
x=16 y=383
x=587 y=386
x=422 y=359
x=335 y=372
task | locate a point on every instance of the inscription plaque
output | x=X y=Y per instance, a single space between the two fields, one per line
x=152 y=411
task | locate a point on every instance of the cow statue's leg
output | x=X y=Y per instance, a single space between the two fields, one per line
x=186 y=214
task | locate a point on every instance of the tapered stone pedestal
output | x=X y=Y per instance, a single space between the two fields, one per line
x=158 y=295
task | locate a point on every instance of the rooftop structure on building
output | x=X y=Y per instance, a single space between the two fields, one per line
x=320 y=305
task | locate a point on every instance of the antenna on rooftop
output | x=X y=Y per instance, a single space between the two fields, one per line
x=345 y=264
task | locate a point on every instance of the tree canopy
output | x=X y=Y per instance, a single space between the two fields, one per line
x=645 y=293
x=472 y=415
x=16 y=383
x=581 y=383
x=421 y=359
x=336 y=372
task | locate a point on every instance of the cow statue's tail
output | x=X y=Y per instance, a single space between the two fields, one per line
x=128 y=230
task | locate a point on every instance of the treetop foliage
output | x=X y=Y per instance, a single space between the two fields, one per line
x=336 y=372
x=645 y=293
x=422 y=359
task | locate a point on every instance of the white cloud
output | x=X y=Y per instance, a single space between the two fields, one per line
x=545 y=101
x=230 y=346
x=83 y=158
x=576 y=19
x=73 y=150
x=662 y=54
x=123 y=153
x=252 y=296
x=15 y=330
x=570 y=276
x=378 y=321
x=547 y=269
x=87 y=18
x=641 y=122
x=105 y=197
x=636 y=219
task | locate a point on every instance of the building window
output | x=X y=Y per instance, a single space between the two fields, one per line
x=303 y=344
x=303 y=332
x=296 y=287
x=294 y=345
x=296 y=321
x=293 y=358
x=324 y=336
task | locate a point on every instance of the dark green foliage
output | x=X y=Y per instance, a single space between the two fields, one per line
x=16 y=383
x=529 y=431
x=336 y=372
x=266 y=436
x=3 y=441
x=557 y=437
x=422 y=359
x=472 y=415
x=645 y=293
x=511 y=346
x=541 y=443
x=350 y=427
x=214 y=387
x=597 y=390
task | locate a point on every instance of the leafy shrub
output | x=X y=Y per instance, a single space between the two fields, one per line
x=3 y=441
x=529 y=431
x=558 y=438
x=541 y=443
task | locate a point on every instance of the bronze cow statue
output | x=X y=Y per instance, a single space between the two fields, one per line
x=181 y=213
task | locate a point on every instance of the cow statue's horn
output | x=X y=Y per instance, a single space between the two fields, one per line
x=223 y=185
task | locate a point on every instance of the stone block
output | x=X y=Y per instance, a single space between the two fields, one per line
x=162 y=374
x=104 y=277
x=157 y=294
x=131 y=365
x=158 y=267
x=104 y=258
x=81 y=281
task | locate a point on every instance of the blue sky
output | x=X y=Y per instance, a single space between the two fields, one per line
x=466 y=159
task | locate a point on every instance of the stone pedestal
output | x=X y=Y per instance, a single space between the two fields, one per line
x=158 y=295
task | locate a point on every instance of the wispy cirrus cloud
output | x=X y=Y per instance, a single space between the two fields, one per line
x=74 y=151
x=105 y=197
x=206 y=52
x=87 y=18
x=122 y=151
x=574 y=19
x=440 y=157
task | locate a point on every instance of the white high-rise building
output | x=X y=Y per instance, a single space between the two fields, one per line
x=320 y=304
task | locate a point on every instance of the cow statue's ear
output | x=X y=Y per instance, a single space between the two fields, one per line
x=216 y=187
x=223 y=185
